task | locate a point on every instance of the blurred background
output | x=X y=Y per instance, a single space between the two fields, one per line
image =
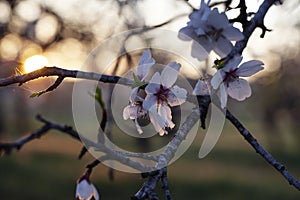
x=35 y=33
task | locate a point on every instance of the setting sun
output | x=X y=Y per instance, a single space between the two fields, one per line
x=35 y=62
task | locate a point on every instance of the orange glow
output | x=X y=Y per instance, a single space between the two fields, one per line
x=35 y=62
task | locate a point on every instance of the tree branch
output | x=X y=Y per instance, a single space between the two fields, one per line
x=179 y=137
x=256 y=21
x=261 y=151
x=147 y=190
x=162 y=159
x=113 y=155
x=62 y=73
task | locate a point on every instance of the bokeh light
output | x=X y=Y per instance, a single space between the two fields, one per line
x=35 y=62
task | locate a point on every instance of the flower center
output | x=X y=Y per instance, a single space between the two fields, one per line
x=162 y=94
x=140 y=112
x=214 y=33
x=230 y=76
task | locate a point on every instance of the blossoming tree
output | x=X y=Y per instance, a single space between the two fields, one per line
x=154 y=94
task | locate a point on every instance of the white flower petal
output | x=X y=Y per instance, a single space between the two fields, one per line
x=152 y=88
x=95 y=192
x=149 y=102
x=84 y=190
x=204 y=10
x=223 y=95
x=126 y=112
x=169 y=74
x=232 y=64
x=216 y=80
x=157 y=121
x=177 y=96
x=249 y=68
x=201 y=88
x=154 y=84
x=187 y=33
x=146 y=58
x=130 y=112
x=232 y=33
x=155 y=78
x=201 y=47
x=196 y=19
x=239 y=89
x=146 y=62
x=199 y=17
x=222 y=47
x=200 y=31
x=217 y=20
x=166 y=114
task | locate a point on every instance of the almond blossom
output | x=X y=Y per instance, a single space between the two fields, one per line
x=211 y=30
x=135 y=110
x=86 y=190
x=228 y=79
x=161 y=94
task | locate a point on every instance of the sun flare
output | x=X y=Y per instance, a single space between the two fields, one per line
x=35 y=62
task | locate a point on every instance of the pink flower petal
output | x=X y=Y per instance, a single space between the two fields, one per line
x=165 y=113
x=126 y=112
x=249 y=68
x=239 y=89
x=232 y=33
x=154 y=84
x=86 y=190
x=199 y=31
x=150 y=101
x=196 y=19
x=232 y=64
x=169 y=74
x=218 y=20
x=157 y=121
x=145 y=64
x=222 y=47
x=216 y=80
x=95 y=192
x=204 y=10
x=130 y=112
x=201 y=14
x=201 y=47
x=187 y=33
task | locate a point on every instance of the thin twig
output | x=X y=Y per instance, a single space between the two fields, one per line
x=261 y=151
x=256 y=21
x=164 y=180
x=7 y=147
x=147 y=189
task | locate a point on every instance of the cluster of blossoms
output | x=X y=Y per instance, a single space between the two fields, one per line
x=157 y=96
x=153 y=100
x=212 y=31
